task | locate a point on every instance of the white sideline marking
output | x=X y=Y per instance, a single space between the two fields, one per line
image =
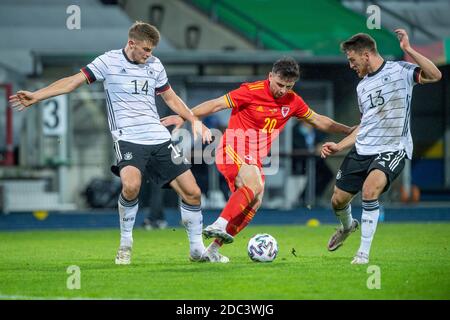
x=20 y=297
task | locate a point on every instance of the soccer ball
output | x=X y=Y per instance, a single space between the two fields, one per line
x=262 y=247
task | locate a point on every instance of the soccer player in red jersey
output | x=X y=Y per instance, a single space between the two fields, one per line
x=260 y=110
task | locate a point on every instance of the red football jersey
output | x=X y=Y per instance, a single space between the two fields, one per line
x=256 y=120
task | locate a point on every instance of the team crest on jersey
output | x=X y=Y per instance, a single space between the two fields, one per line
x=386 y=79
x=285 y=111
x=128 y=156
x=149 y=72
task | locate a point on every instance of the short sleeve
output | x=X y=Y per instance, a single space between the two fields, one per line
x=302 y=110
x=97 y=69
x=239 y=97
x=162 y=82
x=410 y=71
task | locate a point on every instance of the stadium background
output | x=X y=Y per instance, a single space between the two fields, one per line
x=55 y=158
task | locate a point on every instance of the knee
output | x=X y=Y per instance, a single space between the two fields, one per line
x=130 y=190
x=254 y=182
x=338 y=202
x=371 y=193
x=250 y=176
x=256 y=186
x=193 y=196
x=257 y=204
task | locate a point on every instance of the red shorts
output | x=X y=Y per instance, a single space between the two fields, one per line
x=230 y=164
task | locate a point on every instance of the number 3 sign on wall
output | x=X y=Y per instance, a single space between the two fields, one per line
x=54 y=116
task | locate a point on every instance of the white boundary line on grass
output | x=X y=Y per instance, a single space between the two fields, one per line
x=20 y=297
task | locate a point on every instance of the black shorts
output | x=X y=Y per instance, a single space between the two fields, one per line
x=355 y=168
x=162 y=162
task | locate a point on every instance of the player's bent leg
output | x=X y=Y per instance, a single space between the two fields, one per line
x=237 y=224
x=128 y=207
x=340 y=202
x=373 y=186
x=131 y=182
x=250 y=176
x=186 y=187
x=249 y=183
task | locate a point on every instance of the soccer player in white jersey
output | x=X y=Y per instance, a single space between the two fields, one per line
x=131 y=77
x=383 y=138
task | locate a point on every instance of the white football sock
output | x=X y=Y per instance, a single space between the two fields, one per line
x=192 y=219
x=221 y=223
x=345 y=216
x=369 y=221
x=127 y=214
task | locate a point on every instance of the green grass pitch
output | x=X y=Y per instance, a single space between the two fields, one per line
x=413 y=261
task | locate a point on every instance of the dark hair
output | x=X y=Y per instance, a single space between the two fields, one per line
x=358 y=43
x=142 y=31
x=287 y=68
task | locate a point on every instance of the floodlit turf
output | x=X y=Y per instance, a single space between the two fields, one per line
x=413 y=260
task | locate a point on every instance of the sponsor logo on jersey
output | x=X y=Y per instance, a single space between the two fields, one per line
x=339 y=175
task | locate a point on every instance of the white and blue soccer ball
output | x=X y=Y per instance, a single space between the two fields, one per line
x=262 y=247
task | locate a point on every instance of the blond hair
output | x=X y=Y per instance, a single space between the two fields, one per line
x=143 y=31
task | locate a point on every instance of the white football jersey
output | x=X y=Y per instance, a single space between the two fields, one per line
x=384 y=99
x=130 y=90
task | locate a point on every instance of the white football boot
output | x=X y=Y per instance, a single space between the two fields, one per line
x=211 y=254
x=214 y=257
x=123 y=255
x=338 y=238
x=360 y=258
x=214 y=231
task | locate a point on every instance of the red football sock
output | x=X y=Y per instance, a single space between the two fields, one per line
x=238 y=202
x=241 y=221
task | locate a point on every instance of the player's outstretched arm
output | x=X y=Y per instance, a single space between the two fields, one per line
x=430 y=73
x=329 y=148
x=178 y=106
x=25 y=99
x=208 y=107
x=323 y=123
x=202 y=110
